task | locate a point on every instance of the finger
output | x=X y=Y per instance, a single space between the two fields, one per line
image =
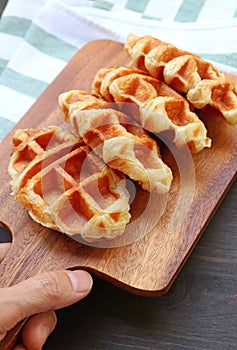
x=37 y=329
x=4 y=247
x=44 y=292
x=20 y=347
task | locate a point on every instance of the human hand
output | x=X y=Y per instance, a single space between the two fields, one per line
x=36 y=299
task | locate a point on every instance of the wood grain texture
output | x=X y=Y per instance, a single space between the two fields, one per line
x=150 y=265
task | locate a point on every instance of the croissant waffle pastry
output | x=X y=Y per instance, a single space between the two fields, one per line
x=111 y=133
x=80 y=100
x=65 y=186
x=185 y=72
x=160 y=107
x=124 y=84
x=74 y=181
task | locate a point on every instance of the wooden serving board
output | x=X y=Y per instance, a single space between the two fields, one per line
x=149 y=265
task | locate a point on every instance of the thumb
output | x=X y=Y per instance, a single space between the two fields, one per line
x=46 y=291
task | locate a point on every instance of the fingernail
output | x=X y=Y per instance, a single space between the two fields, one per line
x=81 y=281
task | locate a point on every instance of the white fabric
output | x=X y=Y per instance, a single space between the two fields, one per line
x=73 y=23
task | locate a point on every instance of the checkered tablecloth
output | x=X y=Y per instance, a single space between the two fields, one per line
x=38 y=37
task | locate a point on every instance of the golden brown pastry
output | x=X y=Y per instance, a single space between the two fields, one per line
x=219 y=94
x=124 y=84
x=65 y=186
x=105 y=77
x=160 y=107
x=167 y=113
x=185 y=72
x=79 y=99
x=123 y=145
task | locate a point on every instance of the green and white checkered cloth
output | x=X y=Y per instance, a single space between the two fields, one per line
x=38 y=37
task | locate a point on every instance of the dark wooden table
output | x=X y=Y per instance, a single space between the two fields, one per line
x=198 y=312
